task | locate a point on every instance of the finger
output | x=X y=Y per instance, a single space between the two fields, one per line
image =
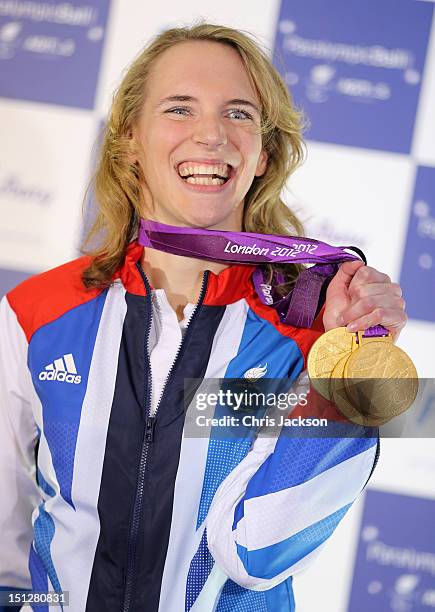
x=365 y=275
x=391 y=318
x=346 y=272
x=366 y=305
x=350 y=267
x=369 y=289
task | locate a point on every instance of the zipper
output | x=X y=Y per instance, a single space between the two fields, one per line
x=182 y=343
x=148 y=437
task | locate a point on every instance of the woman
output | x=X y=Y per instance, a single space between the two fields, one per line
x=127 y=513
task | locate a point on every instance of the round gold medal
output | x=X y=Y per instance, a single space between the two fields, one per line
x=339 y=397
x=338 y=392
x=380 y=380
x=328 y=349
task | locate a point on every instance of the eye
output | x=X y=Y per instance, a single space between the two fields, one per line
x=183 y=110
x=177 y=110
x=239 y=111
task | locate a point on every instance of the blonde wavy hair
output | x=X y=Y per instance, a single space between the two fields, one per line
x=116 y=182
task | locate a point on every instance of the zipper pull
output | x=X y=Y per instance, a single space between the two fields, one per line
x=149 y=431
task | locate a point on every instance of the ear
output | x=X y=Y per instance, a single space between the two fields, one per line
x=262 y=163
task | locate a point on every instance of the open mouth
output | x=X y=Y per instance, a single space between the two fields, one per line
x=204 y=174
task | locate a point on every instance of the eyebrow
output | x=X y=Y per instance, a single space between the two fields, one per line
x=184 y=98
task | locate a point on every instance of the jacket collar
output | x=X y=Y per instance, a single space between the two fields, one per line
x=229 y=286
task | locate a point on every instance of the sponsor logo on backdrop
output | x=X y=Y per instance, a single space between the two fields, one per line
x=355 y=68
x=418 y=264
x=395 y=563
x=61 y=42
x=15 y=189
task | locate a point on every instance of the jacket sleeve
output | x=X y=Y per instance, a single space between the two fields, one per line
x=18 y=435
x=272 y=515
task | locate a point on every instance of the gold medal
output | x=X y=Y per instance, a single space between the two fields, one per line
x=328 y=349
x=341 y=400
x=370 y=380
x=338 y=394
x=380 y=380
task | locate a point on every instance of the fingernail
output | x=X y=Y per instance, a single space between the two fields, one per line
x=352 y=327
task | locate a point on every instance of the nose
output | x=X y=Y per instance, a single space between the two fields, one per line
x=210 y=131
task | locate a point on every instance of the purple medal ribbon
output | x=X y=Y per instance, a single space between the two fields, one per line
x=300 y=306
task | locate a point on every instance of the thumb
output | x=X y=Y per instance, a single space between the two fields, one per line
x=344 y=275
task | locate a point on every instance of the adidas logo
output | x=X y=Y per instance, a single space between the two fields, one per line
x=62 y=369
x=255 y=373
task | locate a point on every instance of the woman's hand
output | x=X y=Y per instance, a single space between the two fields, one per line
x=360 y=296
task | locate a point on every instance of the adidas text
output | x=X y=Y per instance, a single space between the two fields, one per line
x=62 y=369
x=75 y=379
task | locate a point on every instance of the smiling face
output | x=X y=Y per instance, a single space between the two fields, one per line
x=198 y=137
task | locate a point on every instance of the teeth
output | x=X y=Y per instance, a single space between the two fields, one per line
x=187 y=169
x=204 y=180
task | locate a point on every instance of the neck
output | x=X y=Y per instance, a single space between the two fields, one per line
x=180 y=277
